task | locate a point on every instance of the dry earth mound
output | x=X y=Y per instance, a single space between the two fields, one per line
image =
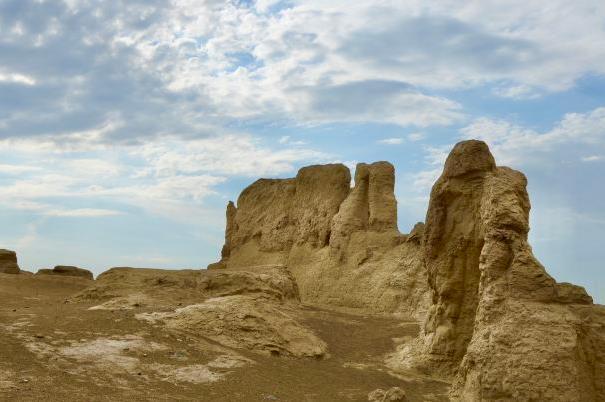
x=66 y=270
x=8 y=262
x=498 y=323
x=256 y=310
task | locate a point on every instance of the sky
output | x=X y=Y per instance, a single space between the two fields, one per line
x=126 y=126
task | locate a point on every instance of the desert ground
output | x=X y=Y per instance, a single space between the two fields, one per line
x=55 y=349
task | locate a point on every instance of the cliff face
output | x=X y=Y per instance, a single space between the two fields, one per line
x=273 y=215
x=341 y=243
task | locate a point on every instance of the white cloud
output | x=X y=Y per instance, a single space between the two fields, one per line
x=527 y=45
x=593 y=158
x=424 y=180
x=17 y=79
x=513 y=144
x=168 y=176
x=416 y=136
x=391 y=141
x=200 y=65
x=516 y=92
x=82 y=212
x=232 y=154
x=287 y=140
x=16 y=169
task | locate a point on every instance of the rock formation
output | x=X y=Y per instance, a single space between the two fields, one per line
x=66 y=270
x=341 y=244
x=254 y=310
x=498 y=323
x=8 y=262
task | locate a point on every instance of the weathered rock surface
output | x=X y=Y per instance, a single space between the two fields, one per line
x=498 y=323
x=255 y=309
x=8 y=262
x=66 y=270
x=342 y=245
x=244 y=322
x=189 y=286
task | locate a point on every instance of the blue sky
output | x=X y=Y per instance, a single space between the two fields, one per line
x=126 y=126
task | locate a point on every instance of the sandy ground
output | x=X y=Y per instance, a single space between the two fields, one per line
x=53 y=350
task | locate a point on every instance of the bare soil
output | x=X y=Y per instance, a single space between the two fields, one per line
x=53 y=350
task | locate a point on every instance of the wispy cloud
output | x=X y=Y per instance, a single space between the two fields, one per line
x=391 y=141
x=593 y=158
x=514 y=144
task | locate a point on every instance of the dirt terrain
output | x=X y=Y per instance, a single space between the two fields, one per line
x=57 y=350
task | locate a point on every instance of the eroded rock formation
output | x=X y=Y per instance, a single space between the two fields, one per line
x=8 y=262
x=498 y=323
x=341 y=244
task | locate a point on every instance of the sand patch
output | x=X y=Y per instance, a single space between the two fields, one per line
x=108 y=353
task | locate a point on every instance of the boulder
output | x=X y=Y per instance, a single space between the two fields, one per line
x=393 y=394
x=8 y=262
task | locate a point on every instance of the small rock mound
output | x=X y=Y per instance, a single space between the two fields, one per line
x=191 y=286
x=66 y=270
x=8 y=262
x=394 y=394
x=254 y=308
x=244 y=322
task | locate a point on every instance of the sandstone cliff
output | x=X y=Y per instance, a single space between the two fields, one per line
x=341 y=244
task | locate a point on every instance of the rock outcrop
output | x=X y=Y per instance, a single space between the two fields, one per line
x=255 y=309
x=8 y=262
x=244 y=322
x=341 y=244
x=66 y=270
x=273 y=215
x=494 y=322
x=498 y=324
